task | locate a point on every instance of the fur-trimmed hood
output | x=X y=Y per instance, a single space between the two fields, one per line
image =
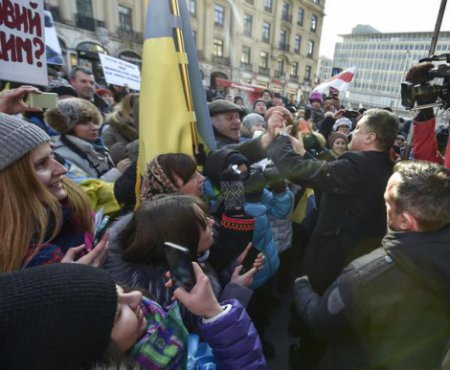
x=70 y=112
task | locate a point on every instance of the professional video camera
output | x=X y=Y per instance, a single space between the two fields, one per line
x=425 y=94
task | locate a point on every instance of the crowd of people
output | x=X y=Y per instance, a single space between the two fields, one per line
x=324 y=205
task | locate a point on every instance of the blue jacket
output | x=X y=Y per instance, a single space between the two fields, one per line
x=234 y=340
x=279 y=206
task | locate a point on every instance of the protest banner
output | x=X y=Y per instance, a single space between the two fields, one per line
x=22 y=42
x=121 y=73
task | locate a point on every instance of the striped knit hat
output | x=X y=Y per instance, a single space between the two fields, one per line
x=18 y=138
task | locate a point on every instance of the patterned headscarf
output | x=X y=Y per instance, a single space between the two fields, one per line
x=156 y=182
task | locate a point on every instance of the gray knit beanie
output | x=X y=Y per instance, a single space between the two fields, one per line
x=17 y=138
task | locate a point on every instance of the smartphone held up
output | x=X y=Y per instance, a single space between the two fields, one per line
x=42 y=100
x=180 y=265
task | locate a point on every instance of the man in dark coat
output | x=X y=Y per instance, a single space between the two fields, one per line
x=352 y=217
x=390 y=309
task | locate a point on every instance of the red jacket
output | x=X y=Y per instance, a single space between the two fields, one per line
x=425 y=143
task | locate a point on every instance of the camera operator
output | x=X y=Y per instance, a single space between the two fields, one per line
x=390 y=309
x=425 y=142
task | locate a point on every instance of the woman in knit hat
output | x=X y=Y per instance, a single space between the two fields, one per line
x=78 y=121
x=337 y=142
x=73 y=317
x=43 y=213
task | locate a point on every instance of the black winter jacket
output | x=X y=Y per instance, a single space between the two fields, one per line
x=389 y=309
x=352 y=214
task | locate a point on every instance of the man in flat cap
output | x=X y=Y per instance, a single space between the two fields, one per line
x=226 y=120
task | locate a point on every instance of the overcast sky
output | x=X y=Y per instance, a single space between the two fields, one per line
x=384 y=15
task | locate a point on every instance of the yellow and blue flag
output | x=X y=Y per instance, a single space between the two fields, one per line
x=173 y=113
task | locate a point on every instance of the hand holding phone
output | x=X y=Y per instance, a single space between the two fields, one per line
x=101 y=229
x=249 y=259
x=180 y=265
x=42 y=100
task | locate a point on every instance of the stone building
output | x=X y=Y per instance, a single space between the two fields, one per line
x=243 y=44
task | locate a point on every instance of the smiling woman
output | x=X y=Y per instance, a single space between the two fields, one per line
x=43 y=213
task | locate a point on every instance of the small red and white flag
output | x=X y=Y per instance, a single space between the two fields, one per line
x=340 y=81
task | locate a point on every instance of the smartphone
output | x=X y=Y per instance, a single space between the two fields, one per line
x=180 y=265
x=351 y=113
x=249 y=259
x=100 y=231
x=43 y=100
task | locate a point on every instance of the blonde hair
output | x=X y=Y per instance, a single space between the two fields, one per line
x=127 y=103
x=26 y=209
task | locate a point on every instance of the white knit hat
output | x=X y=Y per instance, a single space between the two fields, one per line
x=344 y=121
x=17 y=138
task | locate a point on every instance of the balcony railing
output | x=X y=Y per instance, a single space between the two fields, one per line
x=266 y=39
x=85 y=22
x=293 y=78
x=126 y=34
x=246 y=66
x=284 y=46
x=268 y=9
x=221 y=60
x=264 y=71
x=279 y=74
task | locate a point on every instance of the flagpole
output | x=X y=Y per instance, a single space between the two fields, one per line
x=185 y=76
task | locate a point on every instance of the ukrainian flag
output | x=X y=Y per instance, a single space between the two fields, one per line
x=172 y=101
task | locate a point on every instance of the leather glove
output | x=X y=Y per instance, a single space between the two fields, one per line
x=254 y=185
x=274 y=180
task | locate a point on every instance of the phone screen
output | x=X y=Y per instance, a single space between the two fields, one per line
x=180 y=265
x=249 y=259
x=43 y=100
x=101 y=230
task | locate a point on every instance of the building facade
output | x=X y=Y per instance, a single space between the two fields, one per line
x=382 y=60
x=270 y=44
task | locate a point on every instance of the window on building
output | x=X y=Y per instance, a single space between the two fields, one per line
x=268 y=5
x=246 y=54
x=317 y=2
x=85 y=17
x=294 y=70
x=314 y=23
x=297 y=43
x=311 y=45
x=192 y=4
x=84 y=7
x=285 y=12
x=219 y=15
x=194 y=35
x=300 y=16
x=280 y=67
x=125 y=21
x=248 y=23
x=308 y=71
x=218 y=47
x=266 y=32
x=283 y=40
x=264 y=60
